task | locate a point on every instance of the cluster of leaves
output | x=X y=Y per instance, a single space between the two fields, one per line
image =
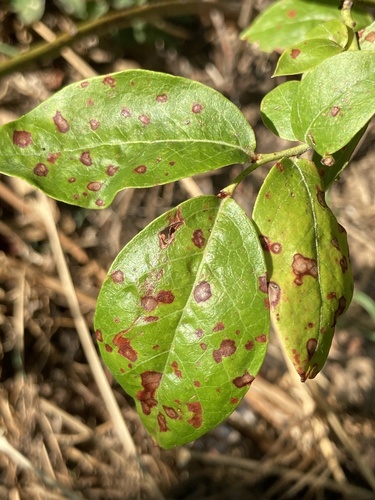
x=183 y=318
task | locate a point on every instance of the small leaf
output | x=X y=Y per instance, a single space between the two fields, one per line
x=335 y=100
x=334 y=30
x=131 y=129
x=306 y=55
x=28 y=11
x=307 y=254
x=276 y=109
x=182 y=319
x=287 y=22
x=331 y=166
x=367 y=38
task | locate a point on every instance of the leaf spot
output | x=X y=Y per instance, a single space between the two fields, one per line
x=199 y=333
x=144 y=119
x=94 y=186
x=162 y=422
x=141 y=169
x=94 y=124
x=227 y=348
x=198 y=238
x=262 y=283
x=85 y=84
x=292 y=13
x=202 y=292
x=303 y=266
x=280 y=167
x=311 y=346
x=295 y=53
x=171 y=163
x=335 y=243
x=170 y=412
x=344 y=264
x=320 y=195
x=274 y=293
x=117 y=276
x=22 y=139
x=61 y=124
x=53 y=157
x=196 y=410
x=197 y=108
x=99 y=335
x=331 y=295
x=249 y=345
x=219 y=327
x=335 y=110
x=108 y=348
x=276 y=248
x=203 y=346
x=245 y=379
x=150 y=319
x=176 y=370
x=150 y=381
x=71 y=180
x=40 y=170
x=125 y=112
x=196 y=383
x=85 y=158
x=162 y=98
x=167 y=235
x=99 y=203
x=109 y=80
x=370 y=37
x=90 y=102
x=261 y=338
x=111 y=170
x=124 y=347
x=233 y=401
x=341 y=308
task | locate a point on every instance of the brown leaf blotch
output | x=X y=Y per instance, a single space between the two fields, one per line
x=311 y=346
x=124 y=347
x=40 y=170
x=144 y=119
x=108 y=348
x=340 y=309
x=117 y=276
x=261 y=338
x=243 y=380
x=109 y=80
x=335 y=110
x=249 y=345
x=61 y=124
x=170 y=412
x=274 y=293
x=218 y=327
x=176 y=370
x=85 y=158
x=150 y=381
x=99 y=203
x=262 y=283
x=227 y=348
x=141 y=169
x=196 y=409
x=304 y=266
x=162 y=422
x=53 y=157
x=320 y=195
x=111 y=170
x=94 y=124
x=202 y=292
x=94 y=186
x=295 y=53
x=99 y=335
x=197 y=108
x=198 y=239
x=22 y=139
x=370 y=37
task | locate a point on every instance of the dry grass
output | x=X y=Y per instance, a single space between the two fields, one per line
x=63 y=434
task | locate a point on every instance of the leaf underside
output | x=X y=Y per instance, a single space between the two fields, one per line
x=135 y=128
x=182 y=319
x=307 y=257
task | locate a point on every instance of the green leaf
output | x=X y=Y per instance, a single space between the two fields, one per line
x=130 y=129
x=367 y=38
x=308 y=261
x=28 y=11
x=182 y=319
x=276 y=108
x=331 y=166
x=306 y=55
x=335 y=100
x=287 y=22
x=76 y=8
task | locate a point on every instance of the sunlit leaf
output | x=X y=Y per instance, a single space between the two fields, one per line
x=276 y=108
x=335 y=100
x=182 y=319
x=131 y=129
x=307 y=255
x=287 y=22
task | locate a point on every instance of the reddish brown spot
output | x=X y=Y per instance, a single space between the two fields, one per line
x=170 y=412
x=321 y=197
x=144 y=119
x=303 y=266
x=90 y=102
x=196 y=410
x=341 y=308
x=234 y=401
x=344 y=264
x=171 y=163
x=61 y=124
x=94 y=186
x=219 y=327
x=162 y=98
x=141 y=169
x=75 y=196
x=261 y=338
x=155 y=347
x=267 y=303
x=199 y=333
x=150 y=319
x=99 y=335
x=149 y=303
x=197 y=108
x=274 y=293
x=276 y=248
x=162 y=422
x=108 y=348
x=53 y=157
x=331 y=295
x=176 y=370
x=227 y=348
x=249 y=345
x=122 y=370
x=341 y=228
x=295 y=53
x=85 y=84
x=109 y=80
x=327 y=161
x=117 y=276
x=197 y=383
x=203 y=346
x=94 y=124
x=280 y=167
x=335 y=110
x=99 y=202
x=116 y=320
x=40 y=170
x=202 y=292
x=85 y=158
x=262 y=281
x=150 y=381
x=167 y=235
x=124 y=347
x=198 y=238
x=311 y=325
x=111 y=170
x=84 y=194
x=125 y=112
x=335 y=243
x=245 y=379
x=22 y=139
x=292 y=13
x=370 y=37
x=311 y=346
x=164 y=297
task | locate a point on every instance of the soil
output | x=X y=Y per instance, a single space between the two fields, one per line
x=57 y=437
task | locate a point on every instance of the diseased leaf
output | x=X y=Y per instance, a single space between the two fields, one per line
x=306 y=55
x=306 y=251
x=367 y=37
x=136 y=128
x=287 y=22
x=182 y=319
x=335 y=100
x=331 y=166
x=276 y=108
